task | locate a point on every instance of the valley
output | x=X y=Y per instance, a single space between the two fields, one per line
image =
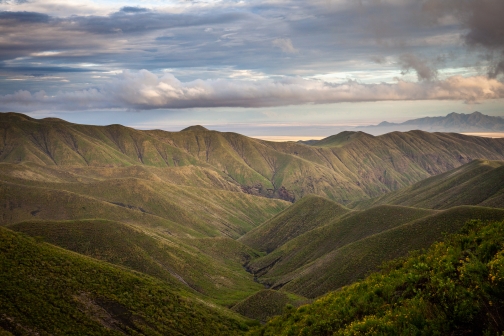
x=202 y=232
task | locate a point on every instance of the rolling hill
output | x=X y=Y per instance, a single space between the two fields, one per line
x=49 y=290
x=354 y=261
x=454 y=288
x=215 y=217
x=307 y=214
x=344 y=248
x=480 y=182
x=219 y=277
x=281 y=265
x=343 y=168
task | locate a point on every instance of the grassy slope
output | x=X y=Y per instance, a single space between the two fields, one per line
x=307 y=214
x=335 y=234
x=22 y=203
x=340 y=139
x=151 y=207
x=480 y=182
x=350 y=169
x=217 y=274
x=394 y=160
x=353 y=261
x=49 y=290
x=454 y=288
x=185 y=188
x=207 y=211
x=268 y=303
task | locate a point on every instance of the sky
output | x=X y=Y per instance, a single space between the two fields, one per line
x=258 y=67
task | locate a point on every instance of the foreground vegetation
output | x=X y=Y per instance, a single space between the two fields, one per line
x=456 y=287
x=47 y=290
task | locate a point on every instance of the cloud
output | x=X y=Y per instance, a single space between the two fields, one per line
x=205 y=40
x=134 y=10
x=423 y=69
x=144 y=90
x=483 y=21
x=285 y=44
x=23 y=17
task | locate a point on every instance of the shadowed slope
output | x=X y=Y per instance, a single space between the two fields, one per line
x=267 y=303
x=308 y=213
x=316 y=243
x=353 y=261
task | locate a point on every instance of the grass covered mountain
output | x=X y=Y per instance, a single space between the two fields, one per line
x=143 y=223
x=343 y=249
x=209 y=215
x=480 y=182
x=355 y=166
x=305 y=215
x=354 y=261
x=454 y=288
x=49 y=290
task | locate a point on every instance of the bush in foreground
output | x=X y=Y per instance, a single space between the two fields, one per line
x=456 y=287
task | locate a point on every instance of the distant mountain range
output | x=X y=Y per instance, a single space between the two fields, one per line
x=453 y=122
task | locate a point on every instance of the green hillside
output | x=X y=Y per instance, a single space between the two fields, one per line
x=215 y=217
x=340 y=139
x=480 y=182
x=167 y=224
x=344 y=250
x=307 y=214
x=306 y=248
x=345 y=167
x=225 y=212
x=354 y=261
x=454 y=288
x=48 y=290
x=217 y=274
x=268 y=303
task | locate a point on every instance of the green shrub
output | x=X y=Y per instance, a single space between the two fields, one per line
x=455 y=287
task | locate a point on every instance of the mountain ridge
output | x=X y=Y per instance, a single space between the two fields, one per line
x=452 y=122
x=343 y=169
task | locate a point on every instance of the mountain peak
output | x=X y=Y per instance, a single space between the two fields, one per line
x=13 y=116
x=195 y=128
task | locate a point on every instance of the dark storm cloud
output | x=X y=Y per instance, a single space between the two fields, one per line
x=422 y=67
x=485 y=24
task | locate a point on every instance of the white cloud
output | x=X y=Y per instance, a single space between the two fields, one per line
x=285 y=45
x=144 y=90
